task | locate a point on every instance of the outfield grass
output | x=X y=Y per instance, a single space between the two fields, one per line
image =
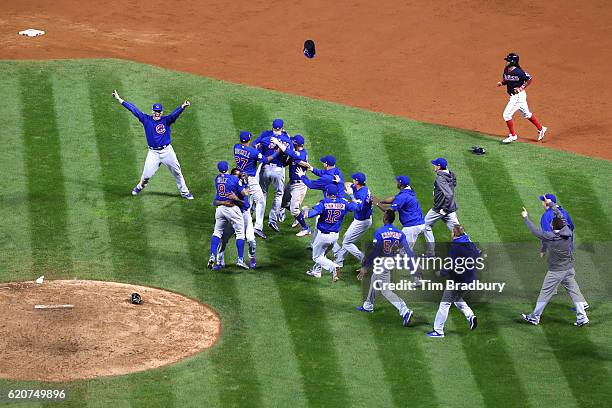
x=73 y=155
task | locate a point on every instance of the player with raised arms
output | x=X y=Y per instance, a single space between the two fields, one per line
x=157 y=130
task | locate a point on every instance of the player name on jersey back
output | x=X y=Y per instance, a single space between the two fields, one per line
x=334 y=206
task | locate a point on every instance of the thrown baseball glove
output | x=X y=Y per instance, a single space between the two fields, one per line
x=136 y=299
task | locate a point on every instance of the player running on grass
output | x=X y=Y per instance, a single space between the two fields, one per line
x=388 y=241
x=516 y=80
x=461 y=250
x=157 y=131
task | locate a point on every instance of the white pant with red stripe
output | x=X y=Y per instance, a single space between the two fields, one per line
x=517 y=102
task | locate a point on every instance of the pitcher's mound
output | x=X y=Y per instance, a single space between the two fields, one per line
x=101 y=334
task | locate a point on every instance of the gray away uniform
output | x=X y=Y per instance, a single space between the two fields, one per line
x=444 y=206
x=558 y=245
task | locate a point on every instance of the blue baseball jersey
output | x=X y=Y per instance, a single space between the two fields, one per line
x=364 y=209
x=462 y=248
x=156 y=131
x=295 y=156
x=388 y=240
x=331 y=212
x=407 y=205
x=549 y=215
x=267 y=148
x=514 y=77
x=318 y=184
x=243 y=196
x=246 y=158
x=226 y=184
x=334 y=171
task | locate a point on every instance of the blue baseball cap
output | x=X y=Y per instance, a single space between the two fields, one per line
x=277 y=124
x=440 y=161
x=329 y=160
x=298 y=140
x=157 y=107
x=223 y=166
x=551 y=197
x=245 y=136
x=331 y=189
x=360 y=177
x=309 y=48
x=403 y=180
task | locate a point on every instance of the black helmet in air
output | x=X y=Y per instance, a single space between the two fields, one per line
x=512 y=58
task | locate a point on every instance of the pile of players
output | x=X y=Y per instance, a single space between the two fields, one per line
x=260 y=167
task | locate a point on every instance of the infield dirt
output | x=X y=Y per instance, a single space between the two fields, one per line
x=103 y=334
x=435 y=62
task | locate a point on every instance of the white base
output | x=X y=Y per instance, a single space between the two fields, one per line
x=32 y=32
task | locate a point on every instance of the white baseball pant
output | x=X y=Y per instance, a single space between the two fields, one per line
x=258 y=201
x=412 y=233
x=228 y=232
x=517 y=102
x=294 y=195
x=321 y=244
x=431 y=218
x=229 y=215
x=273 y=175
x=379 y=283
x=167 y=157
x=352 y=235
x=448 y=298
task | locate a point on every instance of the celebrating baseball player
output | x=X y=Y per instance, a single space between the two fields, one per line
x=326 y=177
x=157 y=131
x=407 y=205
x=296 y=190
x=388 y=240
x=272 y=173
x=411 y=217
x=558 y=244
x=229 y=190
x=331 y=211
x=461 y=251
x=516 y=81
x=247 y=159
x=359 y=194
x=228 y=231
x=444 y=206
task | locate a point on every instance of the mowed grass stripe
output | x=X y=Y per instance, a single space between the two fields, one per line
x=328 y=136
x=593 y=226
x=234 y=357
x=414 y=161
x=130 y=248
x=275 y=355
x=500 y=321
x=393 y=159
x=130 y=252
x=15 y=241
x=510 y=198
x=187 y=221
x=50 y=241
x=497 y=331
x=86 y=208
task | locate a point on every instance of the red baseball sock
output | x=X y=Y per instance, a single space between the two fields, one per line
x=510 y=124
x=535 y=121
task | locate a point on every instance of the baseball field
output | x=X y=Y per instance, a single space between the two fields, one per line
x=74 y=154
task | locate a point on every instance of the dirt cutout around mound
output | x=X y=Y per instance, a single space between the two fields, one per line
x=103 y=333
x=434 y=61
